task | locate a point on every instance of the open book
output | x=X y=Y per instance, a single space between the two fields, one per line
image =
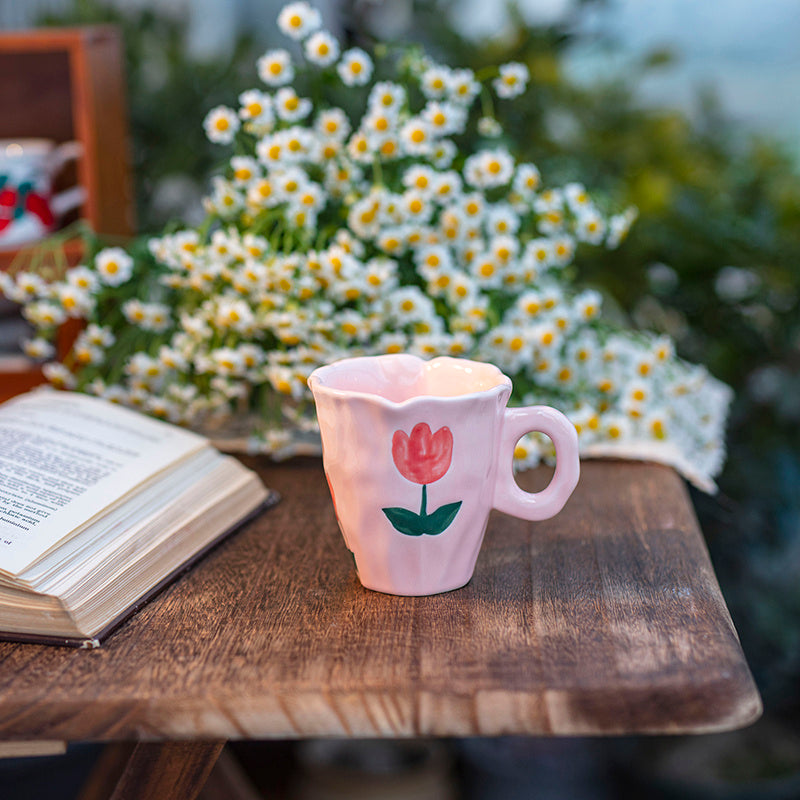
x=99 y=508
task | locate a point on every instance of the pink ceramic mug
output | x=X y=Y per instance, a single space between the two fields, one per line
x=417 y=453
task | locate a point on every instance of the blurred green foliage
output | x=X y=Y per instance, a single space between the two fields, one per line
x=714 y=259
x=169 y=92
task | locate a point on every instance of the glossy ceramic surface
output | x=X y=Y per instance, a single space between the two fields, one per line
x=417 y=453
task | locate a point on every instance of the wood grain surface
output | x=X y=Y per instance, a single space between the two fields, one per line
x=606 y=619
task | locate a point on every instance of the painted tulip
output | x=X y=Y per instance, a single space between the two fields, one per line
x=423 y=457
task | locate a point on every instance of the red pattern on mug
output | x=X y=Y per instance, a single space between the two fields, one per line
x=423 y=457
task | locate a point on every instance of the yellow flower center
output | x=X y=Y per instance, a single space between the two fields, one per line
x=275 y=68
x=291 y=103
x=356 y=67
x=418 y=136
x=296 y=21
x=222 y=123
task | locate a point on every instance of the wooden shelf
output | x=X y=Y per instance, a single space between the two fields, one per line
x=606 y=619
x=68 y=85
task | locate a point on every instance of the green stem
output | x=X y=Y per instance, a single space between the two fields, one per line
x=423 y=511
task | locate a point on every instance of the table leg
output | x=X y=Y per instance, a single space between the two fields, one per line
x=147 y=770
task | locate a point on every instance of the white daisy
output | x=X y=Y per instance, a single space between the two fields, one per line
x=275 y=67
x=415 y=136
x=42 y=314
x=245 y=169
x=113 y=265
x=526 y=180
x=332 y=124
x=221 y=124
x=387 y=96
x=82 y=278
x=322 y=49
x=58 y=375
x=445 y=118
x=355 y=67
x=38 y=348
x=298 y=20
x=512 y=81
x=256 y=107
x=435 y=82
x=441 y=153
x=590 y=227
x=289 y=106
x=462 y=86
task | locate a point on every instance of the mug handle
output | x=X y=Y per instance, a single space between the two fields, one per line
x=508 y=497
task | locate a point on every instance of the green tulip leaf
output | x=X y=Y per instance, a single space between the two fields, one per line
x=408 y=522
x=440 y=519
x=412 y=524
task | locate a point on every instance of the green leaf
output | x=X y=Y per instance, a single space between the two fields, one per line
x=405 y=521
x=440 y=519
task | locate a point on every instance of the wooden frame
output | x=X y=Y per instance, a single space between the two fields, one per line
x=68 y=84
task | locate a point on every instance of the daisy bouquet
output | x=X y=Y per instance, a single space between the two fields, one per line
x=372 y=204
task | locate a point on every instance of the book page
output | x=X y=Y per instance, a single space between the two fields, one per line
x=64 y=457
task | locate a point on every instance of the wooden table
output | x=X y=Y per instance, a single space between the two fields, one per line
x=604 y=620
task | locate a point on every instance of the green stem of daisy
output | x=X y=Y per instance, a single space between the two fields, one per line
x=377 y=171
x=487 y=105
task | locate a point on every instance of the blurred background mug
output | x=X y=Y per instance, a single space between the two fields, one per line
x=29 y=210
x=417 y=453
